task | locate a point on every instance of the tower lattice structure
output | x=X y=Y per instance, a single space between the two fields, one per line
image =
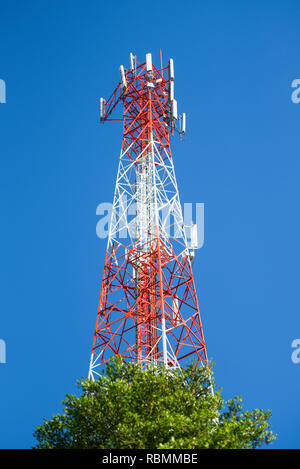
x=148 y=310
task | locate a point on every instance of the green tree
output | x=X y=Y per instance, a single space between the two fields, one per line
x=130 y=407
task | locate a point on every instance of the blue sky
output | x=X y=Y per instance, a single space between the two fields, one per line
x=234 y=64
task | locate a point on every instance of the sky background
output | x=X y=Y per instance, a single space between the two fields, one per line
x=234 y=64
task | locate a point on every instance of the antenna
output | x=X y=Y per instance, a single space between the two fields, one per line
x=183 y=128
x=102 y=102
x=123 y=78
x=131 y=61
x=171 y=90
x=149 y=62
x=174 y=109
x=171 y=66
x=194 y=236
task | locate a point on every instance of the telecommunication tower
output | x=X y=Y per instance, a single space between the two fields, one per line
x=148 y=311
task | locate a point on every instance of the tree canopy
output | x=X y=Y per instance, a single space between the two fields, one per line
x=129 y=407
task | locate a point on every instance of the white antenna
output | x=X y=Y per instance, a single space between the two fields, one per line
x=149 y=62
x=131 y=61
x=194 y=236
x=174 y=109
x=171 y=65
x=123 y=78
x=171 y=90
x=183 y=123
x=102 y=101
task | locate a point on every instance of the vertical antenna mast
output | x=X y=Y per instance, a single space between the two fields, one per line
x=148 y=311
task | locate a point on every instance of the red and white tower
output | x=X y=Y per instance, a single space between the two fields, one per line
x=148 y=310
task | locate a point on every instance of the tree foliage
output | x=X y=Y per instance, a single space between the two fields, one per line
x=129 y=407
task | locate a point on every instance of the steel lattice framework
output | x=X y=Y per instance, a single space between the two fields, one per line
x=148 y=310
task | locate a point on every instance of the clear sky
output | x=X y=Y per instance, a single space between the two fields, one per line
x=234 y=64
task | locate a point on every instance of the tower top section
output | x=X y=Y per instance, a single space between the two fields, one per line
x=147 y=95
